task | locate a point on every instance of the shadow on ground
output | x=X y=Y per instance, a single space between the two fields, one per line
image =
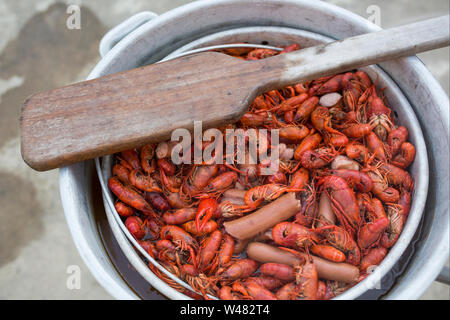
x=45 y=54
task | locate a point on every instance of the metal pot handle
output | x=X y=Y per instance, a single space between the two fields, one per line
x=112 y=37
x=444 y=276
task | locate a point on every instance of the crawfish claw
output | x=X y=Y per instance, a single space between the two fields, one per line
x=206 y=209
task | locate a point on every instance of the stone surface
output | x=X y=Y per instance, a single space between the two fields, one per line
x=38 y=52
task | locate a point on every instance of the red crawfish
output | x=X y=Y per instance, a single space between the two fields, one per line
x=381 y=189
x=132 y=158
x=373 y=258
x=379 y=115
x=364 y=79
x=208 y=249
x=222 y=182
x=153 y=227
x=257 y=291
x=198 y=281
x=299 y=179
x=277 y=270
x=267 y=192
x=172 y=283
x=179 y=216
x=309 y=206
x=321 y=120
x=351 y=91
x=227 y=209
x=357 y=152
x=227 y=293
x=260 y=103
x=286 y=292
x=341 y=240
x=328 y=252
x=176 y=200
x=121 y=173
x=149 y=247
x=251 y=289
x=223 y=257
x=343 y=201
x=239 y=286
x=305 y=286
x=239 y=269
x=207 y=228
x=305 y=109
x=321 y=290
x=332 y=85
x=257 y=54
x=123 y=209
x=290 y=48
x=206 y=209
x=318 y=158
x=293 y=134
x=129 y=196
x=396 y=138
x=376 y=146
x=290 y=104
x=270 y=283
x=147 y=158
x=370 y=233
x=301 y=87
x=307 y=281
x=135 y=226
x=180 y=238
x=277 y=178
x=167 y=251
x=171 y=183
x=309 y=143
x=293 y=235
x=397 y=176
x=143 y=182
x=167 y=166
x=158 y=201
x=405 y=157
x=202 y=174
x=250 y=119
x=355 y=179
x=397 y=220
x=335 y=288
x=357 y=130
x=316 y=84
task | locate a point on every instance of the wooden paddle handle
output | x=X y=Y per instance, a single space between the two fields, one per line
x=371 y=48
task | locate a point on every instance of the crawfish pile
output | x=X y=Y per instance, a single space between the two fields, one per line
x=312 y=230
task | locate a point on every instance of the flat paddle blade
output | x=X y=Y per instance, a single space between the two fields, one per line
x=129 y=109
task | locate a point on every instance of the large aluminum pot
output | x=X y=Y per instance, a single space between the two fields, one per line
x=155 y=37
x=282 y=36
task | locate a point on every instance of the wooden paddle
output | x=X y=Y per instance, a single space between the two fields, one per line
x=132 y=108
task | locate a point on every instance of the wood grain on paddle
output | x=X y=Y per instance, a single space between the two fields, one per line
x=132 y=108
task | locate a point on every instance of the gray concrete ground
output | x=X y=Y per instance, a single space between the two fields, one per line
x=38 y=52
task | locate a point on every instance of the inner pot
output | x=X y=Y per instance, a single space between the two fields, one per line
x=281 y=36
